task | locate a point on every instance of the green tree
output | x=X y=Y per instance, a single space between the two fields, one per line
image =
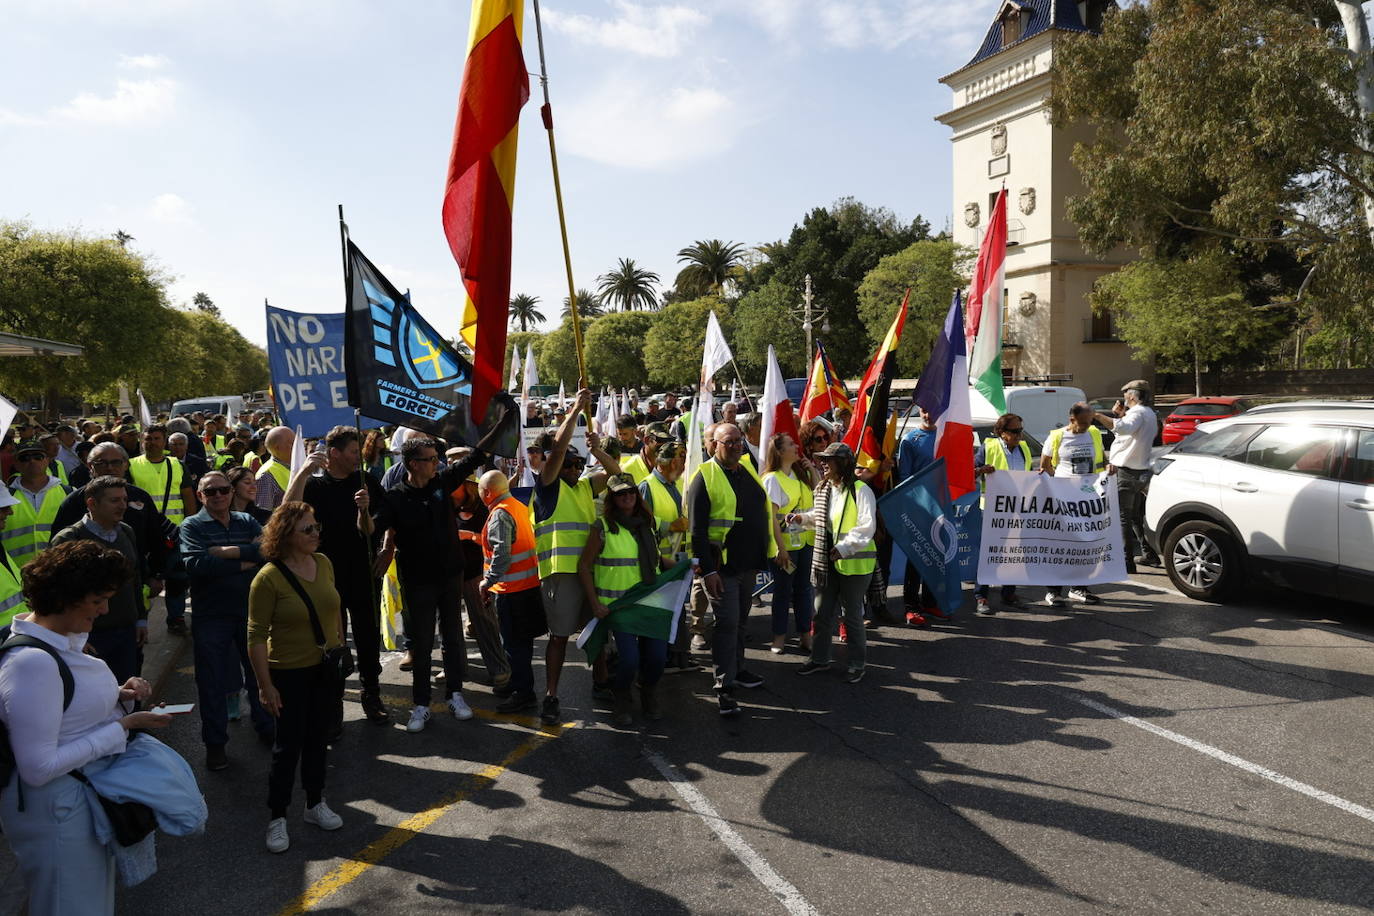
x=524 y=310
x=1183 y=313
x=767 y=316
x=588 y=305
x=629 y=286
x=123 y=238
x=673 y=347
x=557 y=357
x=205 y=304
x=933 y=270
x=615 y=349
x=710 y=264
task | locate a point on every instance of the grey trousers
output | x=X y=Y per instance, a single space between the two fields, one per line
x=732 y=613
x=847 y=594
x=1132 y=487
x=487 y=632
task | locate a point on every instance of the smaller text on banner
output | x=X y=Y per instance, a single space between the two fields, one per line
x=1043 y=530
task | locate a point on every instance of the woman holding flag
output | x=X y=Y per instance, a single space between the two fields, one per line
x=787 y=481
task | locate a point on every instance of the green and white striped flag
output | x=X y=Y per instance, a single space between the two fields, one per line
x=650 y=609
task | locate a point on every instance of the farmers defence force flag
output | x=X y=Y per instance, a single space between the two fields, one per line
x=649 y=609
x=400 y=371
x=983 y=334
x=921 y=519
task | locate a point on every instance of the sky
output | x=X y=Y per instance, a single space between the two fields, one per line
x=223 y=136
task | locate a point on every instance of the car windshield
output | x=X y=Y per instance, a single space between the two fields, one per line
x=1204 y=410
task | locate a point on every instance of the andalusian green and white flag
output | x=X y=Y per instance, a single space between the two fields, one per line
x=650 y=609
x=983 y=329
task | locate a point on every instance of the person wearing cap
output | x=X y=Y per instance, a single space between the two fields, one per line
x=621 y=553
x=510 y=581
x=39 y=495
x=66 y=441
x=564 y=508
x=734 y=535
x=845 y=519
x=1135 y=425
x=483 y=625
x=11 y=581
x=50 y=448
x=275 y=474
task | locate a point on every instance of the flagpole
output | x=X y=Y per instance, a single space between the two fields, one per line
x=546 y=113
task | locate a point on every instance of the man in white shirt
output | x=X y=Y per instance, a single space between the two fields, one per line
x=1135 y=425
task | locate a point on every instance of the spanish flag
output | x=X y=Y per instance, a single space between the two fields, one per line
x=867 y=433
x=480 y=191
x=825 y=390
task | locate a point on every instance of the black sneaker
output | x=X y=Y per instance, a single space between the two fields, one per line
x=373 y=709
x=728 y=706
x=680 y=663
x=1079 y=593
x=854 y=676
x=810 y=667
x=267 y=737
x=748 y=679
x=601 y=690
x=549 y=713
x=518 y=702
x=1148 y=559
x=215 y=758
x=503 y=691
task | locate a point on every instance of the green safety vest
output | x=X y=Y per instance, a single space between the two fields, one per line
x=866 y=560
x=27 y=532
x=800 y=499
x=616 y=570
x=722 y=497
x=561 y=537
x=165 y=477
x=59 y=470
x=665 y=513
x=11 y=591
x=637 y=468
x=1056 y=437
x=995 y=453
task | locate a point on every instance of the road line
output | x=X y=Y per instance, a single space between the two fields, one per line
x=411 y=827
x=1303 y=788
x=787 y=894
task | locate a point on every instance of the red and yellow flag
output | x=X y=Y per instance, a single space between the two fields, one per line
x=824 y=390
x=868 y=427
x=480 y=190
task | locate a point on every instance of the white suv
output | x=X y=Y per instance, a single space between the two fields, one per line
x=1286 y=494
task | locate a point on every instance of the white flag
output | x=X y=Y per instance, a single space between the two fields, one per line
x=625 y=402
x=513 y=384
x=774 y=393
x=562 y=396
x=8 y=412
x=297 y=452
x=531 y=370
x=145 y=416
x=734 y=390
x=716 y=355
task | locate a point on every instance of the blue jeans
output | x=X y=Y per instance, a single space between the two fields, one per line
x=792 y=591
x=642 y=655
x=174 y=593
x=222 y=668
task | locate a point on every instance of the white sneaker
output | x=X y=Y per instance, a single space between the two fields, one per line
x=277 y=839
x=321 y=816
x=699 y=643
x=461 y=710
x=1054 y=600
x=418 y=717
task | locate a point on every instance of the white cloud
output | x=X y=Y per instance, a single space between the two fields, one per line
x=883 y=24
x=633 y=124
x=650 y=31
x=171 y=208
x=143 y=62
x=133 y=101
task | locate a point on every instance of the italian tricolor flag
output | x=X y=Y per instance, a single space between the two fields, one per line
x=983 y=330
x=650 y=609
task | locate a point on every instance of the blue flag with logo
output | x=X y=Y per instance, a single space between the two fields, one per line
x=968 y=518
x=921 y=520
x=306 y=355
x=401 y=371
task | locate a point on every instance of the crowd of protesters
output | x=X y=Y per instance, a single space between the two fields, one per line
x=284 y=574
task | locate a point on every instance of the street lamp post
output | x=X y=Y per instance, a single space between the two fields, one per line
x=809 y=314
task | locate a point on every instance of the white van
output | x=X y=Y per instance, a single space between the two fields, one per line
x=211 y=404
x=1042 y=407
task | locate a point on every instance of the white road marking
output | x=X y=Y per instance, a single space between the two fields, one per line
x=787 y=894
x=1303 y=788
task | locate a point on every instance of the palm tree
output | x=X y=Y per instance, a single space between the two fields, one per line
x=709 y=264
x=588 y=305
x=123 y=238
x=630 y=286
x=523 y=311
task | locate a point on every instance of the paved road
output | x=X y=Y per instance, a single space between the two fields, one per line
x=1148 y=754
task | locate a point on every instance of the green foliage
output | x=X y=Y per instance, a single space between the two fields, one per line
x=932 y=269
x=588 y=305
x=615 y=349
x=765 y=316
x=629 y=286
x=204 y=303
x=673 y=347
x=710 y=264
x=524 y=311
x=557 y=357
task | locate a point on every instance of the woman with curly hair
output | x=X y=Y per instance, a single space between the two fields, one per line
x=376 y=456
x=45 y=810
x=815 y=435
x=293 y=618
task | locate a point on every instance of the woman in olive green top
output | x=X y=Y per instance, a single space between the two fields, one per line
x=293 y=682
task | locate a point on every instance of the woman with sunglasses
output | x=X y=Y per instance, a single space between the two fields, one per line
x=245 y=494
x=1004 y=450
x=788 y=483
x=293 y=618
x=815 y=436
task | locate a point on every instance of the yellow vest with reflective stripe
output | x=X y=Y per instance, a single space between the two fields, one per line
x=665 y=513
x=11 y=592
x=561 y=537
x=995 y=454
x=27 y=532
x=866 y=560
x=722 y=497
x=636 y=467
x=800 y=498
x=280 y=473
x=153 y=478
x=616 y=570
x=1056 y=438
x=61 y=470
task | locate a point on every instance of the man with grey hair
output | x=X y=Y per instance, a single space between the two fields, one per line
x=179 y=444
x=193 y=444
x=1130 y=460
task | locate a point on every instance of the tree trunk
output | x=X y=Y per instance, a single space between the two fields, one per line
x=1362 y=60
x=1197 y=374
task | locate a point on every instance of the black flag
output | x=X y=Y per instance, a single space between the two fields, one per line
x=401 y=371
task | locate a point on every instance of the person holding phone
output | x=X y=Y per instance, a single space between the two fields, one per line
x=44 y=810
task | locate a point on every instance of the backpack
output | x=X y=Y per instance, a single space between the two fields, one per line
x=68 y=689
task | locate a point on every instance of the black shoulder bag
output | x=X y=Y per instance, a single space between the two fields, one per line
x=338 y=662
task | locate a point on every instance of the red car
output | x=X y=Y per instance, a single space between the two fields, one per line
x=1186 y=415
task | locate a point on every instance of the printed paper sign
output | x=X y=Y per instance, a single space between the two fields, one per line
x=1044 y=530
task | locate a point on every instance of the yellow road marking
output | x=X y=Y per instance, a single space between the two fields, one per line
x=413 y=826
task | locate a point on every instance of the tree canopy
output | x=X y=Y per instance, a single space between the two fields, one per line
x=615 y=349
x=629 y=286
x=673 y=346
x=932 y=269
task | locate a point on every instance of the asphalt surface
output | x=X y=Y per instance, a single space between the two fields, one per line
x=983 y=766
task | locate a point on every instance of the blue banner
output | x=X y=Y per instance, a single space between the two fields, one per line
x=306 y=356
x=921 y=520
x=968 y=518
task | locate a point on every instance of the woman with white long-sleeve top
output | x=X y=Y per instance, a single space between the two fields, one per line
x=43 y=808
x=845 y=516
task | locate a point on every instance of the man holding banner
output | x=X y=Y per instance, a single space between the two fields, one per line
x=1075 y=451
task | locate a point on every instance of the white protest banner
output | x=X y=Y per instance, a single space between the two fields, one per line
x=1044 y=530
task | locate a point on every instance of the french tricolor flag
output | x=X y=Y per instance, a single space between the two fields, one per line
x=943 y=391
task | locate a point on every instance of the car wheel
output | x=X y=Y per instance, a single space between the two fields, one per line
x=1203 y=560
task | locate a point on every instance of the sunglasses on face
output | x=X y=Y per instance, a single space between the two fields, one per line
x=217 y=491
x=1015 y=432
x=819 y=437
x=32 y=457
x=432 y=459
x=311 y=529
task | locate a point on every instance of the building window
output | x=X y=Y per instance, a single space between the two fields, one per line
x=1100 y=328
x=1012 y=23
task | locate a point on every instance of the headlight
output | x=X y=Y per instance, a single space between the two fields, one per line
x=1160 y=464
